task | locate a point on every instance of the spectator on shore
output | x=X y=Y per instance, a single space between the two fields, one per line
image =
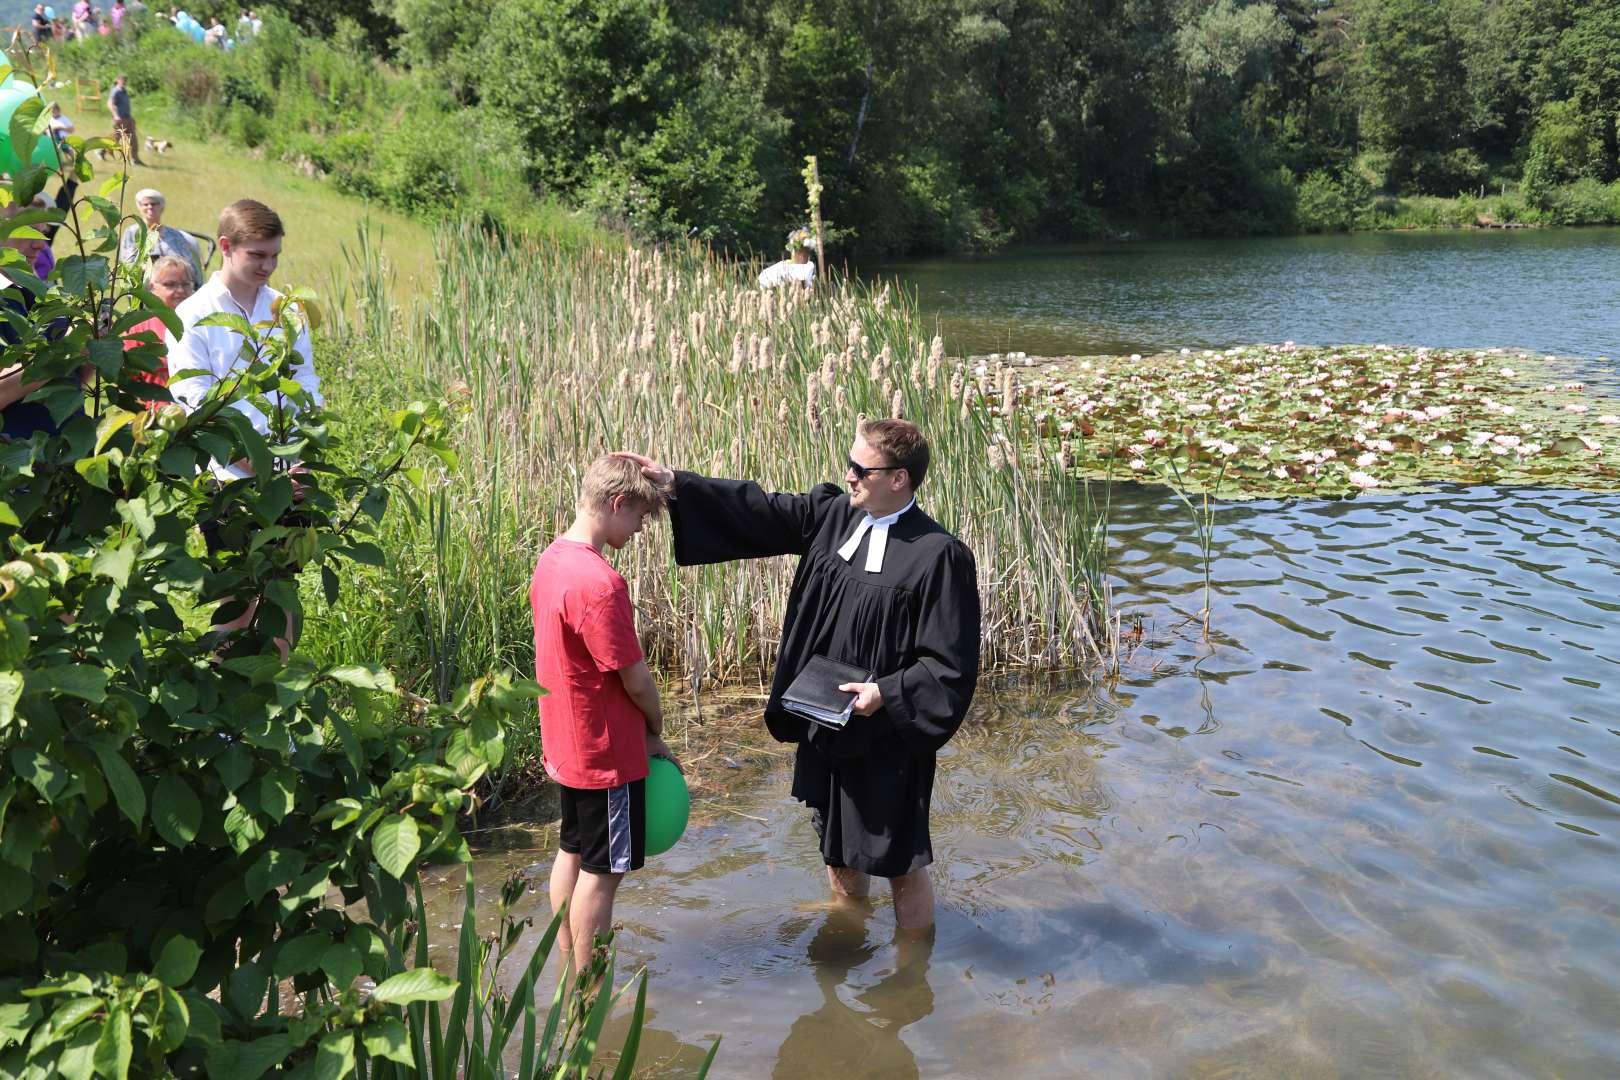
x=169 y=279
x=41 y=24
x=81 y=20
x=98 y=19
x=161 y=239
x=117 y=16
x=61 y=127
x=215 y=34
x=798 y=268
x=45 y=260
x=123 y=117
x=250 y=238
x=20 y=419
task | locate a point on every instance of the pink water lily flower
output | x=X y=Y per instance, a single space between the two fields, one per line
x=1363 y=480
x=1364 y=460
x=1609 y=419
x=1575 y=408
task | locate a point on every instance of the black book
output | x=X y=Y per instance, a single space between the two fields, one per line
x=814 y=694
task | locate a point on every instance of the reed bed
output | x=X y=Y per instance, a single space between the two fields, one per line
x=560 y=355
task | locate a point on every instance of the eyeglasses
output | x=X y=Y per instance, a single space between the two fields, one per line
x=863 y=471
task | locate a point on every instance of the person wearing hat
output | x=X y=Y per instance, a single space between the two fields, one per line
x=161 y=239
x=798 y=268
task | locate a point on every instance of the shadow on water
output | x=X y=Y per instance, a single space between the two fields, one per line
x=1370 y=827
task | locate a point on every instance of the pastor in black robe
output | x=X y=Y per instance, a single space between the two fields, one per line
x=914 y=624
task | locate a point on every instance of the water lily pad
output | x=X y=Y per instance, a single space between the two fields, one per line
x=1265 y=421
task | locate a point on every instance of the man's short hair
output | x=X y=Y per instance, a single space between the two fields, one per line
x=608 y=477
x=249 y=219
x=152 y=194
x=902 y=443
x=165 y=262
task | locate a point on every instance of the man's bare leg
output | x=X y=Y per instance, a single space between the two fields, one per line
x=564 y=874
x=590 y=912
x=913 y=900
x=851 y=884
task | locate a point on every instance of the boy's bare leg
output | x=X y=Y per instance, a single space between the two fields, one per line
x=845 y=882
x=590 y=912
x=564 y=874
x=913 y=900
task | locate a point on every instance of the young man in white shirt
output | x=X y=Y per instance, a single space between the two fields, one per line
x=250 y=238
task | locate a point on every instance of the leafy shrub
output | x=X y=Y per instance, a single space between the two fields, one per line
x=1328 y=203
x=179 y=802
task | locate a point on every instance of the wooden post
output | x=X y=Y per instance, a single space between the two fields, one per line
x=814 y=178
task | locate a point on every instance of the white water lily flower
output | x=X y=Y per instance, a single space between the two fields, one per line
x=1575 y=408
x=1066 y=427
x=1280 y=472
x=1445 y=450
x=1363 y=480
x=1383 y=446
x=1506 y=373
x=1591 y=444
x=1508 y=441
x=1498 y=449
x=1138 y=465
x=1579 y=387
x=1528 y=449
x=1609 y=419
x=1364 y=460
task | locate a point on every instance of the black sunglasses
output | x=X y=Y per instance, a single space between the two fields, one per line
x=863 y=471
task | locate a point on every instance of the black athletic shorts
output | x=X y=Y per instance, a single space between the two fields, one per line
x=606 y=827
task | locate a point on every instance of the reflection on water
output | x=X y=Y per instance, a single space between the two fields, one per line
x=1371 y=828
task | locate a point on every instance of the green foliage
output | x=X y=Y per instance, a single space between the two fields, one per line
x=1328 y=203
x=181 y=806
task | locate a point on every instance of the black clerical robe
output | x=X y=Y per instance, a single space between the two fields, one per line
x=915 y=624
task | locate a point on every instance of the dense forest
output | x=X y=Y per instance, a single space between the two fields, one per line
x=952 y=124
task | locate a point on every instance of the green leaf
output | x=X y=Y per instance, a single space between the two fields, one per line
x=176 y=813
x=387 y=1038
x=243 y=828
x=334 y=1058
x=178 y=961
x=11 y=691
x=274 y=868
x=8 y=516
x=115 y=563
x=113 y=420
x=300 y=954
x=395 y=843
x=417 y=984
x=95 y=471
x=342 y=963
x=254 y=1059
x=107 y=355
x=75 y=680
x=126 y=787
x=364 y=676
x=46 y=775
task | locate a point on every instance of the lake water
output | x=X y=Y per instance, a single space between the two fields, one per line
x=1369 y=827
x=1550 y=290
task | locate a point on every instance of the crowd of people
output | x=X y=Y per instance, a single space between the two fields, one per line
x=85 y=20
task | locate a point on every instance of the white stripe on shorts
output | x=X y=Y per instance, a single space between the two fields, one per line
x=619 y=829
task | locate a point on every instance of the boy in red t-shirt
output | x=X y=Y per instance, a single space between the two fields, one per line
x=601 y=720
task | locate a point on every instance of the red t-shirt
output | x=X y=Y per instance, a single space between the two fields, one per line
x=155 y=327
x=591 y=733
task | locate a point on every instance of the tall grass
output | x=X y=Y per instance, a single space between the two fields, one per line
x=559 y=355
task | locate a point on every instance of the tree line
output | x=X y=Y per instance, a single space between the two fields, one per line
x=957 y=124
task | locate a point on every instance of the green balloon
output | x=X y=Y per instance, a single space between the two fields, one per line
x=13 y=94
x=668 y=805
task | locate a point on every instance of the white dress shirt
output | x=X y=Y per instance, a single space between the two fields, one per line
x=880 y=538
x=216 y=350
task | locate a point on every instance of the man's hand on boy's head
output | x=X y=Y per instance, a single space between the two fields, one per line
x=661 y=475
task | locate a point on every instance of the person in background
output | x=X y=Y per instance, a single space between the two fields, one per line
x=61 y=127
x=20 y=419
x=45 y=259
x=161 y=239
x=797 y=268
x=116 y=16
x=215 y=35
x=250 y=238
x=170 y=281
x=602 y=721
x=123 y=116
x=41 y=24
x=81 y=20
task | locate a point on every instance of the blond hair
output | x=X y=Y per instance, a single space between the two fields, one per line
x=609 y=477
x=249 y=219
x=902 y=443
x=164 y=262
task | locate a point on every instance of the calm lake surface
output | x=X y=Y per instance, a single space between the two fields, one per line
x=1371 y=828
x=1550 y=290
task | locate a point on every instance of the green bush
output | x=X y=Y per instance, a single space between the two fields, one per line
x=1328 y=203
x=178 y=803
